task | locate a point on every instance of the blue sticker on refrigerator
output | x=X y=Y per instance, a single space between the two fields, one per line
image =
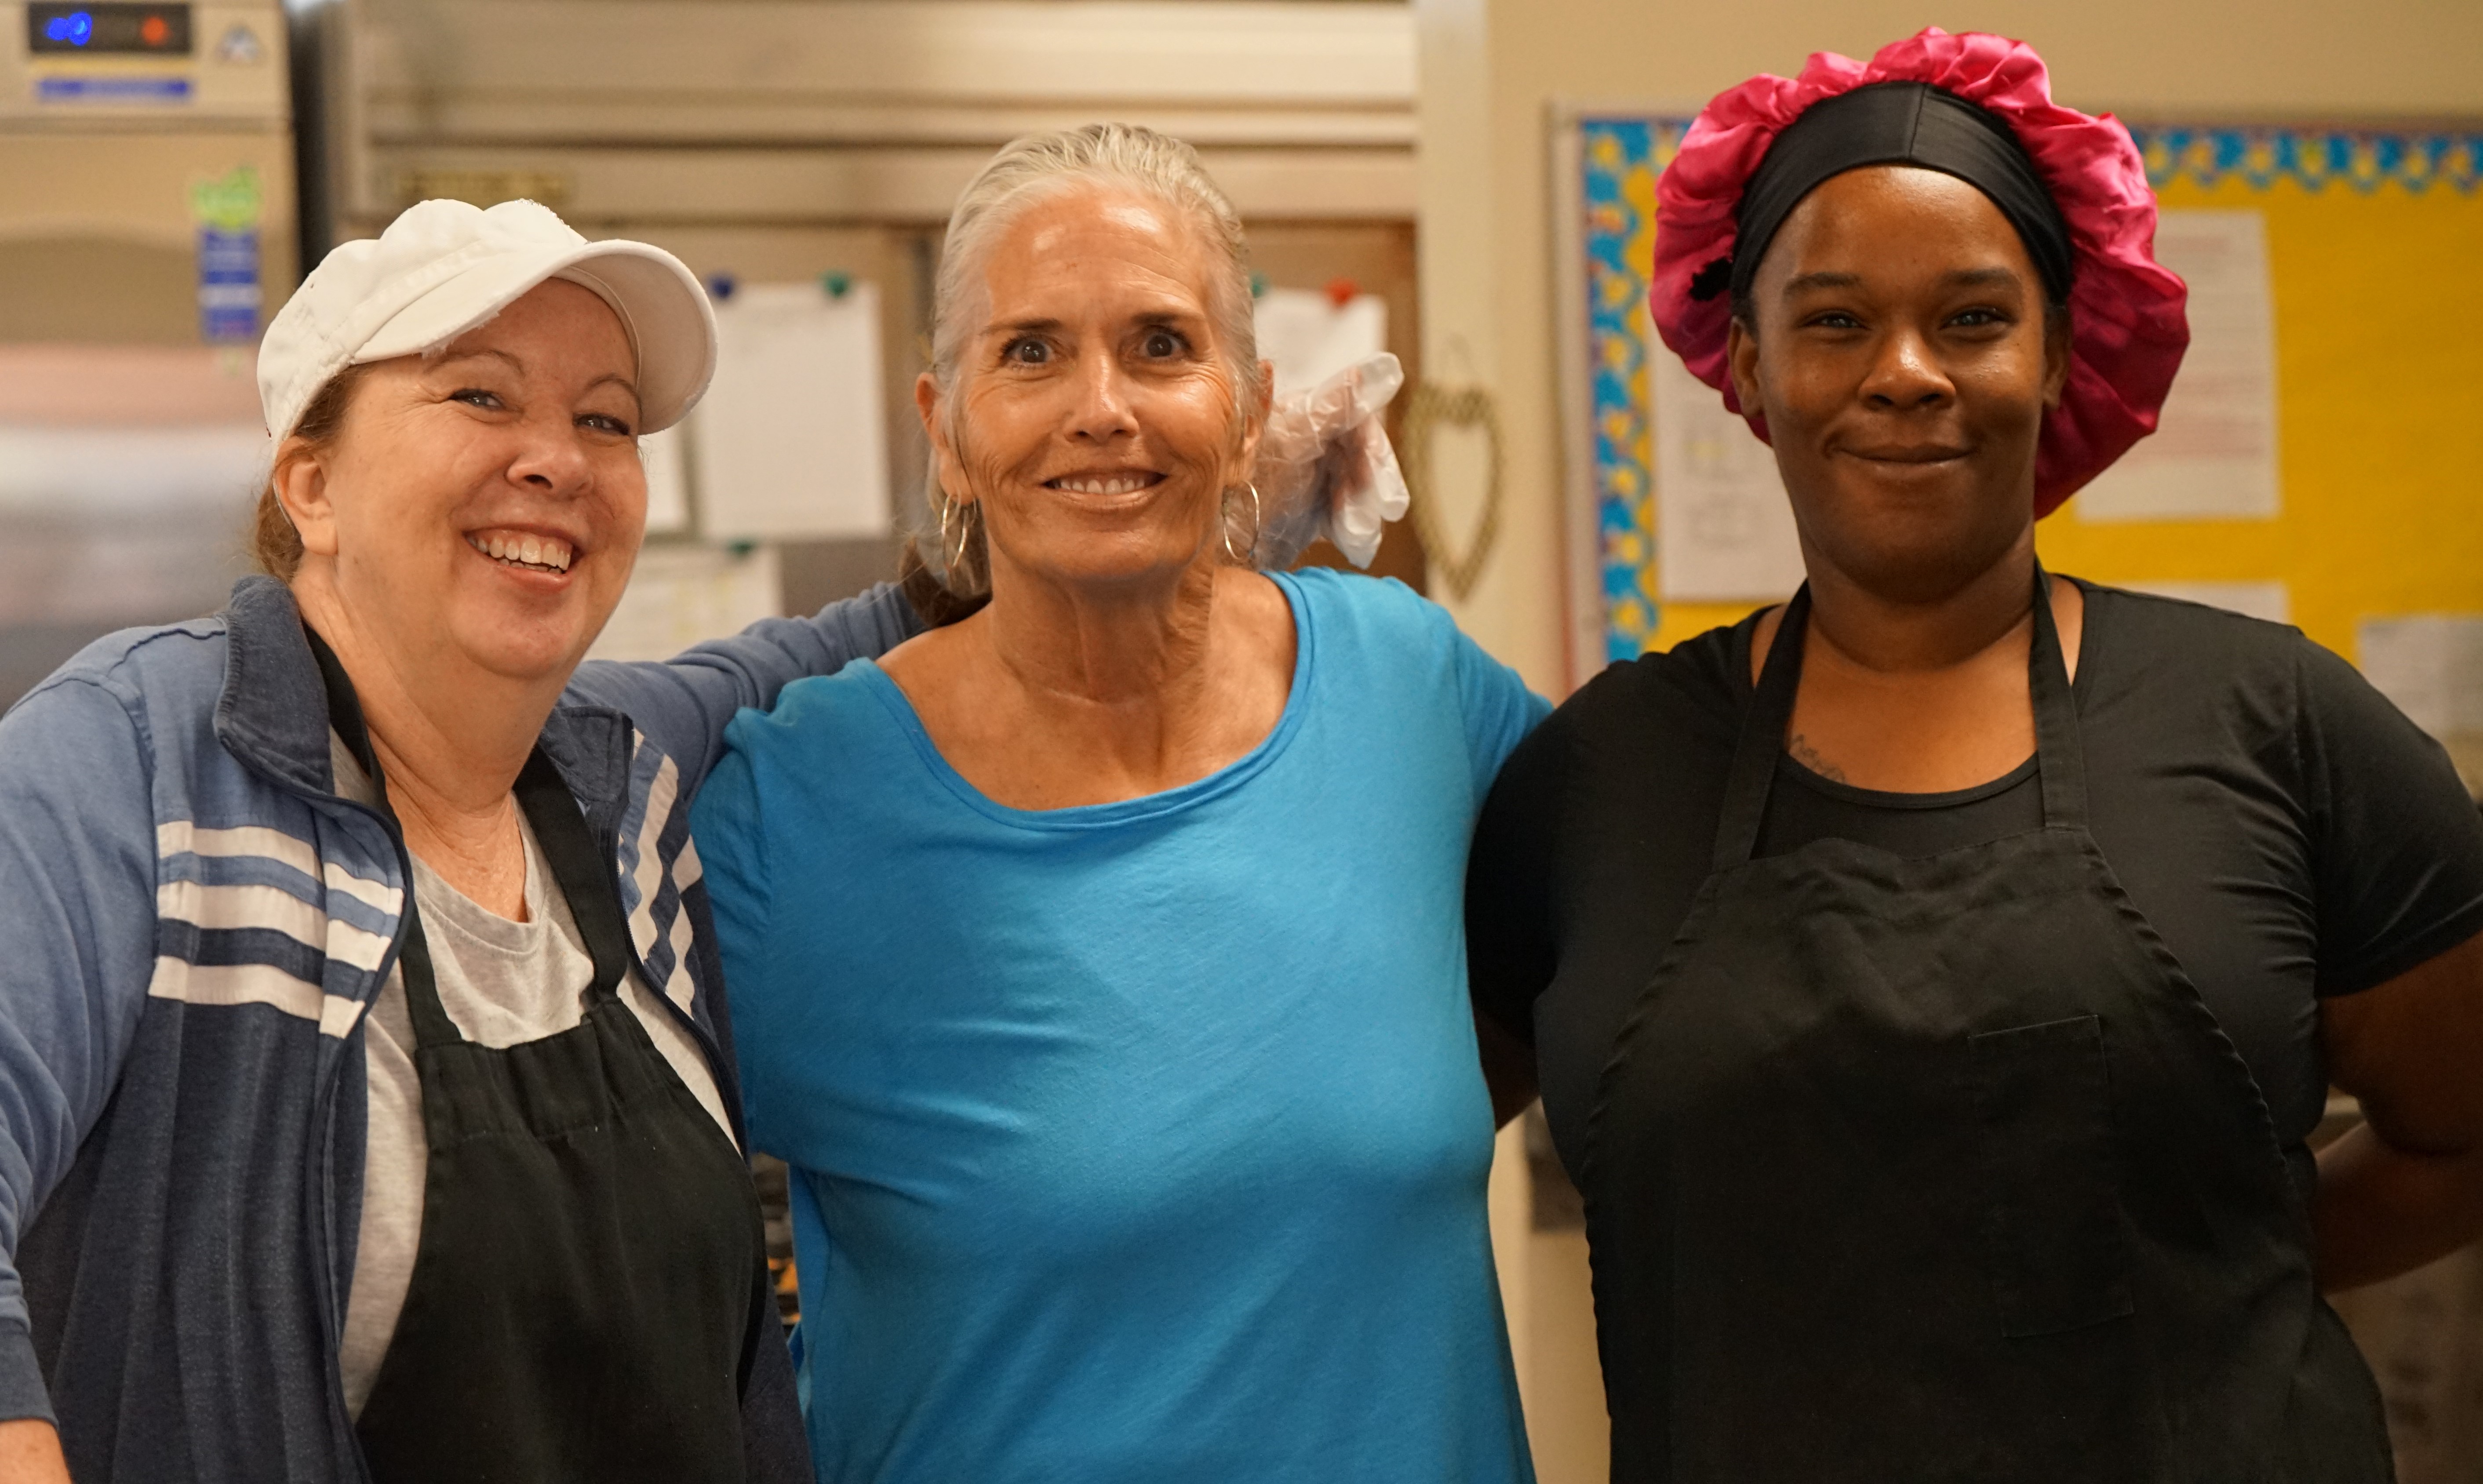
x=228 y=212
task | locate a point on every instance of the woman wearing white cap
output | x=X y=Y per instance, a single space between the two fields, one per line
x=366 y=1096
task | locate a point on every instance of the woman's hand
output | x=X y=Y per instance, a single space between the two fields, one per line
x=2405 y=1188
x=1326 y=468
x=30 y=1453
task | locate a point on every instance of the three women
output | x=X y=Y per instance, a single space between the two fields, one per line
x=1934 y=981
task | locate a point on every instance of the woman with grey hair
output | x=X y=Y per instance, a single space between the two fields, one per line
x=1097 y=955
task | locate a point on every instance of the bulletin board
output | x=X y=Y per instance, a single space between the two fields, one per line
x=2374 y=246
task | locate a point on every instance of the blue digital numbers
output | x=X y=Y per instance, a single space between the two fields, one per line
x=76 y=28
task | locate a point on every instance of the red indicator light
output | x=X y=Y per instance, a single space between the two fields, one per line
x=157 y=28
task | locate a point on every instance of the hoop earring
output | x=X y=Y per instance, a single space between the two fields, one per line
x=952 y=546
x=1250 y=557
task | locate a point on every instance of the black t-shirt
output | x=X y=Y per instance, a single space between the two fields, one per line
x=2283 y=827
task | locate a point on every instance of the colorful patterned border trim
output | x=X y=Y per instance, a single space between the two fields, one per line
x=1620 y=157
x=2313 y=159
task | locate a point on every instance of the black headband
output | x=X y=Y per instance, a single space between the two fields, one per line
x=1893 y=123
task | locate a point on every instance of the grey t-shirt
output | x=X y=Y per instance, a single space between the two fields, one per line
x=503 y=982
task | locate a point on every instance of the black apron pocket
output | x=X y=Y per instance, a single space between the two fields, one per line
x=2052 y=1215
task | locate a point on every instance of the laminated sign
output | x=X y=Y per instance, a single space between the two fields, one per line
x=228 y=212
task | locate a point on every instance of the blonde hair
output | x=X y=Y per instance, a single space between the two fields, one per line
x=1024 y=174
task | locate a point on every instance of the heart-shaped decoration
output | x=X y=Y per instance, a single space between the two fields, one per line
x=1430 y=409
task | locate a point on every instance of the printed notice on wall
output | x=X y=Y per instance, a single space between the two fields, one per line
x=1309 y=335
x=2431 y=665
x=791 y=441
x=668 y=488
x=1724 y=531
x=2213 y=454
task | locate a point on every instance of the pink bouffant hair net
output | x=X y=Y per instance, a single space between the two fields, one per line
x=2127 y=322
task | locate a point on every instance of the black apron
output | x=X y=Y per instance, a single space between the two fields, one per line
x=591 y=1261
x=1940 y=1169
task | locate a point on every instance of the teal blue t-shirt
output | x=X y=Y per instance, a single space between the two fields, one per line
x=1140 y=1142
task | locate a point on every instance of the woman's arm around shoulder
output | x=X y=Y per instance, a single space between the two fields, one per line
x=1511 y=889
x=1497 y=707
x=77 y=947
x=684 y=704
x=1496 y=711
x=731 y=829
x=1500 y=708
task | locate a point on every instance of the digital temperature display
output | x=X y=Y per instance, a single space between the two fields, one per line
x=123 y=30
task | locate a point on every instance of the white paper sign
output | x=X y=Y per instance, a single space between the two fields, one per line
x=1723 y=528
x=2269 y=600
x=791 y=441
x=2431 y=665
x=681 y=595
x=668 y=484
x=2213 y=454
x=1309 y=337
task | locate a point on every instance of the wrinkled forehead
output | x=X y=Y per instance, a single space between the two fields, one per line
x=1090 y=244
x=1099 y=209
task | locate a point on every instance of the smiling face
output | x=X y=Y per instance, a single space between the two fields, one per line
x=1095 y=419
x=483 y=506
x=1898 y=345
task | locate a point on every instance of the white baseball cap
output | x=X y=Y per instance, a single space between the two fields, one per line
x=444 y=267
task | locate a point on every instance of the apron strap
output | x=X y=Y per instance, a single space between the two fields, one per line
x=2061 y=757
x=345 y=711
x=1763 y=736
x=430 y=1019
x=2061 y=761
x=580 y=873
x=581 y=868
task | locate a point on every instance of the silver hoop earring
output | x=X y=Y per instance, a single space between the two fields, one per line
x=1250 y=557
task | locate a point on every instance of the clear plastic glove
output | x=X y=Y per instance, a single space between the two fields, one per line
x=1326 y=468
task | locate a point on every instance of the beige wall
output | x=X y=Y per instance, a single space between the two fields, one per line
x=1490 y=72
x=2195 y=59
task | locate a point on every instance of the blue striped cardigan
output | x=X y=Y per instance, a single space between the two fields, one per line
x=194 y=924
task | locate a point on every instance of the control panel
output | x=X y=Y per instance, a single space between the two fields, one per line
x=147 y=30
x=80 y=65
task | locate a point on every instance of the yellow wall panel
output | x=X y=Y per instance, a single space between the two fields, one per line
x=2377 y=301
